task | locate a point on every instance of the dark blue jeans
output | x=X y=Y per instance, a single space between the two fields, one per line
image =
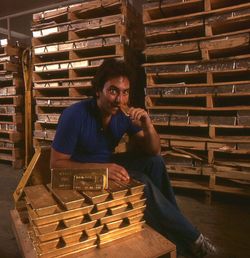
x=162 y=211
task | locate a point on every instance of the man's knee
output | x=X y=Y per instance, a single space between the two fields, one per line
x=157 y=161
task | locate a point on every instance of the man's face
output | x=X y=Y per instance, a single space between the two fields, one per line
x=114 y=94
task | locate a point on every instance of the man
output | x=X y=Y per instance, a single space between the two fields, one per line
x=87 y=134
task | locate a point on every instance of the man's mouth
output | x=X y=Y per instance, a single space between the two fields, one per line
x=124 y=109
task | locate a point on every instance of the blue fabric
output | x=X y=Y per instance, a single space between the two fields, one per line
x=162 y=211
x=80 y=134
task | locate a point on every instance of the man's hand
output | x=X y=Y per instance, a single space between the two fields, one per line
x=139 y=117
x=117 y=172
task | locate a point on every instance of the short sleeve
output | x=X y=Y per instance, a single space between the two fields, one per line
x=67 y=132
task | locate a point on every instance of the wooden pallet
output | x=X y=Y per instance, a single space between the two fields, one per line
x=6 y=66
x=197 y=88
x=10 y=91
x=155 y=10
x=96 y=9
x=9 y=109
x=16 y=118
x=8 y=50
x=79 y=48
x=10 y=79
x=60 y=33
x=56 y=101
x=12 y=136
x=198 y=24
x=11 y=100
x=214 y=89
x=11 y=155
x=67 y=70
x=206 y=48
x=10 y=126
x=44 y=134
x=73 y=82
x=211 y=183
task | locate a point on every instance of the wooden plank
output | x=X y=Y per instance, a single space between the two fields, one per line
x=152 y=11
x=180 y=30
x=44 y=134
x=49 y=14
x=56 y=101
x=224 y=13
x=97 y=9
x=226 y=64
x=21 y=233
x=215 y=4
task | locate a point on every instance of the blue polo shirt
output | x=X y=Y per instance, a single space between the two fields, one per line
x=79 y=132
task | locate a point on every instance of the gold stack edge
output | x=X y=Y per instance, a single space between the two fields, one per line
x=65 y=222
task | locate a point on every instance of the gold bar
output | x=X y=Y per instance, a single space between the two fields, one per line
x=139 y=203
x=79 y=179
x=44 y=229
x=135 y=218
x=122 y=215
x=59 y=215
x=112 y=203
x=117 y=190
x=118 y=209
x=47 y=246
x=114 y=224
x=96 y=196
x=97 y=215
x=134 y=186
x=74 y=238
x=70 y=199
x=119 y=233
x=94 y=231
x=65 y=231
x=74 y=221
x=40 y=199
x=88 y=244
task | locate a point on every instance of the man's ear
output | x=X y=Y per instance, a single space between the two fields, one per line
x=97 y=93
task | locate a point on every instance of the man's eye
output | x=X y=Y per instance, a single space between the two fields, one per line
x=113 y=91
x=126 y=92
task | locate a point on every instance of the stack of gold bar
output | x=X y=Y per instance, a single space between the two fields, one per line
x=65 y=222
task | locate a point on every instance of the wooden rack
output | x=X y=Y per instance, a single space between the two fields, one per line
x=11 y=102
x=197 y=67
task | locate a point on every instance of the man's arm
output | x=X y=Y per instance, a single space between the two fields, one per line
x=61 y=160
x=147 y=139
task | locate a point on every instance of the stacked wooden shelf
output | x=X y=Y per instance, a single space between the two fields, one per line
x=198 y=90
x=65 y=222
x=11 y=104
x=69 y=45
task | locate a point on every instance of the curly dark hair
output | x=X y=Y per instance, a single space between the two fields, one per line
x=109 y=69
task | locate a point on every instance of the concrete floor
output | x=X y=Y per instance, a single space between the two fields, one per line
x=226 y=221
